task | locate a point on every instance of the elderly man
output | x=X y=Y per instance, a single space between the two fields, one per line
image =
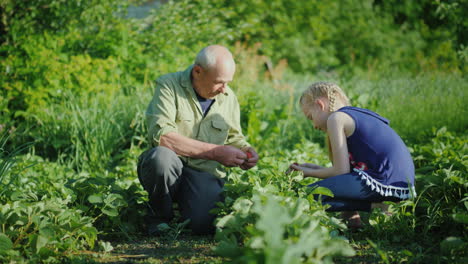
x=194 y=127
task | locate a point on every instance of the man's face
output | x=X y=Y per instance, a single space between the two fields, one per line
x=211 y=82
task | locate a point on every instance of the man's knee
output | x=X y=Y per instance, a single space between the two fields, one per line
x=159 y=166
x=159 y=160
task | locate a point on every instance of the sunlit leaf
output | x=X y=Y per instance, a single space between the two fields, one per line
x=460 y=217
x=110 y=211
x=95 y=199
x=5 y=243
x=322 y=191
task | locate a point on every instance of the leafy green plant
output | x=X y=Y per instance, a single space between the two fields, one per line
x=270 y=216
x=446 y=185
x=272 y=229
x=39 y=223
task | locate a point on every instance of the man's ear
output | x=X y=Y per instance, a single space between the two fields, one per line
x=197 y=71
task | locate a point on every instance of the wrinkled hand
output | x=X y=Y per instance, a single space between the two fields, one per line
x=252 y=158
x=229 y=156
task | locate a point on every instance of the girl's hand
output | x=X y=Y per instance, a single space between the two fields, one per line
x=292 y=167
x=302 y=167
x=306 y=168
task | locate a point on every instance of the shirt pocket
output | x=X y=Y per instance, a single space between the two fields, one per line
x=218 y=131
x=185 y=124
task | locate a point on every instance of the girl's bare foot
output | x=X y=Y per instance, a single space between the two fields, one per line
x=352 y=219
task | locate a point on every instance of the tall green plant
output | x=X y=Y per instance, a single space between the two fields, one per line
x=88 y=132
x=8 y=159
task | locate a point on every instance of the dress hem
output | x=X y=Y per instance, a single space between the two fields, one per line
x=386 y=190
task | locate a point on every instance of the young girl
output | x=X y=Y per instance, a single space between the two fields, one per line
x=371 y=163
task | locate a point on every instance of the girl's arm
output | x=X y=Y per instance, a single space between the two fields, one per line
x=337 y=124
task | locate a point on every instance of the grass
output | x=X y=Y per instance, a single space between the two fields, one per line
x=416 y=105
x=89 y=131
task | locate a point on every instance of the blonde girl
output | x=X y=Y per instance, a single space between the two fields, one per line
x=371 y=163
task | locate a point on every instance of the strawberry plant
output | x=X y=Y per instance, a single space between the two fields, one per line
x=268 y=229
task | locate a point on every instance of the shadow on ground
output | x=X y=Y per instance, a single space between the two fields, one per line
x=184 y=249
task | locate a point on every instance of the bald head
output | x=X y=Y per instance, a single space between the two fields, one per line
x=214 y=68
x=214 y=56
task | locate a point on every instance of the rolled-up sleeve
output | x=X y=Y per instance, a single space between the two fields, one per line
x=161 y=112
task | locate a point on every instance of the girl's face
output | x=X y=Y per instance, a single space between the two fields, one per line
x=317 y=112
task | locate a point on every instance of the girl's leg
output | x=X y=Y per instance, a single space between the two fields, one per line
x=352 y=219
x=338 y=205
x=350 y=193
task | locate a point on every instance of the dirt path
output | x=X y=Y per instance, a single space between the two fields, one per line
x=184 y=249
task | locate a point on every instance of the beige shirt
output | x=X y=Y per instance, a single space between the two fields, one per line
x=175 y=108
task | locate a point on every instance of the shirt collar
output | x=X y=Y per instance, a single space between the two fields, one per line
x=186 y=80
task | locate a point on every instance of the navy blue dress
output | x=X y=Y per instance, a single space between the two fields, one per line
x=378 y=155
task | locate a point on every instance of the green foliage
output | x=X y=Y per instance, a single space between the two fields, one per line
x=36 y=217
x=447 y=184
x=8 y=159
x=172 y=33
x=270 y=216
x=272 y=229
x=276 y=117
x=50 y=209
x=77 y=75
x=366 y=35
x=443 y=17
x=85 y=134
x=21 y=18
x=40 y=229
x=414 y=105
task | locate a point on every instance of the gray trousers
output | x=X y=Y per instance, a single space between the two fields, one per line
x=168 y=180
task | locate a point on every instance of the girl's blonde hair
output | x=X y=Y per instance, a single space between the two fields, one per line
x=328 y=90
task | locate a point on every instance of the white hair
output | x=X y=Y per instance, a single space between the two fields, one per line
x=206 y=58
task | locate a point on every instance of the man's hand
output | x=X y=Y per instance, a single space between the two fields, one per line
x=251 y=160
x=229 y=156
